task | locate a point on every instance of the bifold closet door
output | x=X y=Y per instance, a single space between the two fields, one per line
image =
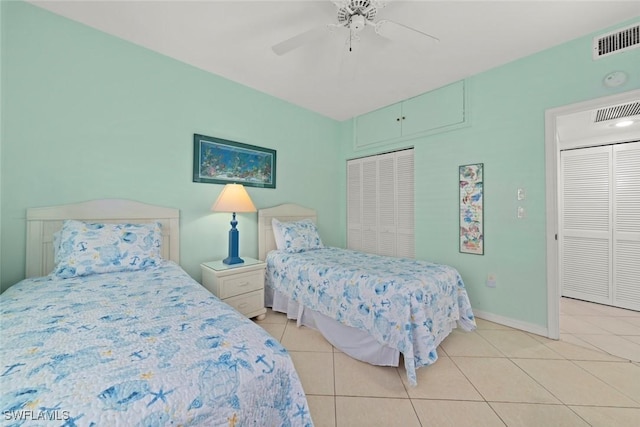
x=600 y=224
x=387 y=205
x=626 y=225
x=380 y=206
x=369 y=205
x=405 y=238
x=586 y=224
x=354 y=200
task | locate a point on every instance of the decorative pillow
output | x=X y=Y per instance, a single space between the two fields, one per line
x=297 y=236
x=90 y=248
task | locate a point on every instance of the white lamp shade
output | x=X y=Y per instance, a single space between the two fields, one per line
x=233 y=198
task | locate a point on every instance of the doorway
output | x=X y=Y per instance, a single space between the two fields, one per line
x=573 y=126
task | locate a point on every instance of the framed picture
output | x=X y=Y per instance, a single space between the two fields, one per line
x=219 y=161
x=472 y=208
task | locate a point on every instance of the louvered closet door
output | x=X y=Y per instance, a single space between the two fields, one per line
x=405 y=240
x=354 y=208
x=586 y=224
x=369 y=205
x=626 y=229
x=386 y=205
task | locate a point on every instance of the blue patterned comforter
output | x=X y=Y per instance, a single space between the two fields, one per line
x=144 y=348
x=407 y=304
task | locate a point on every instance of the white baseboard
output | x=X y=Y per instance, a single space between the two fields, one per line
x=512 y=323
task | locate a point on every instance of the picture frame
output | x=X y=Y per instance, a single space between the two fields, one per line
x=471 y=192
x=220 y=161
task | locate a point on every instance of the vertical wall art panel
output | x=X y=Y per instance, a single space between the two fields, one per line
x=471 y=209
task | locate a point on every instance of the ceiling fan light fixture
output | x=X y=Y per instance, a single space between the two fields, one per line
x=357 y=23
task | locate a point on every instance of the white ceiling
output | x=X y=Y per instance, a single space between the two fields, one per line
x=233 y=39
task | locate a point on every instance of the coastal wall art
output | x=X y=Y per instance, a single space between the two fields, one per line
x=471 y=184
x=219 y=161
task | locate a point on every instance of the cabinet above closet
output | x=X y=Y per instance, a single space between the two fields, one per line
x=432 y=112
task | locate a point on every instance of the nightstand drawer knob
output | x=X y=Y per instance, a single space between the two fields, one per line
x=244 y=284
x=243 y=305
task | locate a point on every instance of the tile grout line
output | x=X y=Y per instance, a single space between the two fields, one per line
x=478 y=391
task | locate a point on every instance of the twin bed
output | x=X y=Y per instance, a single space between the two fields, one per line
x=108 y=330
x=139 y=344
x=372 y=308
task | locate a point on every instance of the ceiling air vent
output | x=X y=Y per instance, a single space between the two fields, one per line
x=617 y=112
x=616 y=41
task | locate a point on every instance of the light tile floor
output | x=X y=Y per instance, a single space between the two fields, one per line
x=613 y=330
x=494 y=376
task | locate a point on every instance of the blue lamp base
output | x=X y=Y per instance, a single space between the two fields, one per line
x=234 y=234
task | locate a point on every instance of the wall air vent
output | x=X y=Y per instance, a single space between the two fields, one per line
x=617 y=112
x=616 y=41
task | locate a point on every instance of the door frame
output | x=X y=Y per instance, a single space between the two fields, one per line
x=552 y=170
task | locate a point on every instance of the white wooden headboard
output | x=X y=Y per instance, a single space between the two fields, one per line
x=43 y=222
x=285 y=212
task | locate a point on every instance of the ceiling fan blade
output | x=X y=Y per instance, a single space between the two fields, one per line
x=300 y=40
x=403 y=33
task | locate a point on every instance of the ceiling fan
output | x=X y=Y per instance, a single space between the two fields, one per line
x=353 y=16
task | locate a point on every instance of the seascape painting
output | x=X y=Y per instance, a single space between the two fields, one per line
x=471 y=186
x=220 y=161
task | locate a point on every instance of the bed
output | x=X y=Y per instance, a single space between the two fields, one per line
x=126 y=337
x=372 y=308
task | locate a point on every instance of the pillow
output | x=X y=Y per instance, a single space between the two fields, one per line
x=297 y=236
x=90 y=248
x=277 y=234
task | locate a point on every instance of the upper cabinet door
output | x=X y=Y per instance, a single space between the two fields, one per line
x=434 y=110
x=379 y=125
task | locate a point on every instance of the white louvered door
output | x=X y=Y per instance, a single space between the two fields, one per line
x=354 y=200
x=387 y=205
x=369 y=205
x=626 y=230
x=585 y=232
x=600 y=224
x=405 y=240
x=380 y=207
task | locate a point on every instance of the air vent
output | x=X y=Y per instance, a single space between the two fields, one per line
x=617 y=112
x=616 y=41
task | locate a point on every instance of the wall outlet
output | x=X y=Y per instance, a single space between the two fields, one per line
x=491 y=280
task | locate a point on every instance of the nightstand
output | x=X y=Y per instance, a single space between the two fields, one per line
x=239 y=285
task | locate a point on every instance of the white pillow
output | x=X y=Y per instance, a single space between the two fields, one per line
x=297 y=236
x=277 y=234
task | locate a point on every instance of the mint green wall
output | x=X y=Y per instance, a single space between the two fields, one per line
x=86 y=115
x=1 y=129
x=506 y=133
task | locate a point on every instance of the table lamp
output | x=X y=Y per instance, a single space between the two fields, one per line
x=233 y=198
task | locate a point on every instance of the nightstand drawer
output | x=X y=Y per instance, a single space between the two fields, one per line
x=243 y=283
x=247 y=303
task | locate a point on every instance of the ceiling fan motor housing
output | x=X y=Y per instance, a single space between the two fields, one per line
x=355 y=14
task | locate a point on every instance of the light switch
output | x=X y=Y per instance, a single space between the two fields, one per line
x=521 y=194
x=521 y=212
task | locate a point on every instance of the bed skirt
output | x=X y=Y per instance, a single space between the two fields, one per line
x=352 y=341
